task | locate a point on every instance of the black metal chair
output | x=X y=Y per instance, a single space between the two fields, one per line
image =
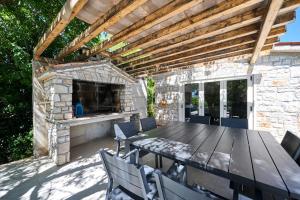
x=148 y=123
x=291 y=143
x=169 y=189
x=234 y=122
x=200 y=119
x=125 y=131
x=126 y=179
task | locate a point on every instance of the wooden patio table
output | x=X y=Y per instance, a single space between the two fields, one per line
x=246 y=157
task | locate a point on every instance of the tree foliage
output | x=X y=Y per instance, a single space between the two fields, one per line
x=22 y=23
x=150 y=97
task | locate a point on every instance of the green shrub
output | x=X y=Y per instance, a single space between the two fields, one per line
x=150 y=97
x=21 y=146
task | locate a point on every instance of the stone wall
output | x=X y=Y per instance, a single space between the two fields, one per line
x=53 y=104
x=276 y=90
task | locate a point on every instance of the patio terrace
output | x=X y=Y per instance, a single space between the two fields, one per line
x=215 y=60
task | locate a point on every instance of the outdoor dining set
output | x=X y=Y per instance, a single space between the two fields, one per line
x=251 y=164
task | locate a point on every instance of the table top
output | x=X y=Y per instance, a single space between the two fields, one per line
x=243 y=156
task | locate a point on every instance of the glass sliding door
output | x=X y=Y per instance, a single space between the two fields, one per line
x=220 y=99
x=237 y=99
x=191 y=100
x=212 y=101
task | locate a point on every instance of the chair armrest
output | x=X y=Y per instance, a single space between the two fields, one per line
x=134 y=153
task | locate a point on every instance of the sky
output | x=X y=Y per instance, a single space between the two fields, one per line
x=293 y=30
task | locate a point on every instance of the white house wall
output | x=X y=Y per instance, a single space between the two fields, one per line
x=276 y=90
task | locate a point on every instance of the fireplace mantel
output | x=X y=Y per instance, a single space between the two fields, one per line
x=97 y=118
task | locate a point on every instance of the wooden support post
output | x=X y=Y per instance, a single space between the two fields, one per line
x=274 y=8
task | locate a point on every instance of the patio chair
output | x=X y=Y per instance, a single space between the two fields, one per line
x=148 y=123
x=123 y=132
x=200 y=119
x=169 y=189
x=234 y=123
x=127 y=179
x=291 y=143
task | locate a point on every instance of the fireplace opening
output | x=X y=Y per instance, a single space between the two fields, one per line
x=96 y=98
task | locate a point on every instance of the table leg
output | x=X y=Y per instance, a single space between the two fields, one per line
x=156 y=161
x=258 y=194
x=160 y=162
x=236 y=189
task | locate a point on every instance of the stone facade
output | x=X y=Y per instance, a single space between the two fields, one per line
x=53 y=102
x=276 y=90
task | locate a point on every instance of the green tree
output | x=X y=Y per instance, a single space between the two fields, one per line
x=22 y=23
x=150 y=97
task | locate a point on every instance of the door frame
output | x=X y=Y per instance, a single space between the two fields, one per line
x=223 y=96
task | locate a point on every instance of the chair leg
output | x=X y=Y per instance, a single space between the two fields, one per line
x=109 y=189
x=118 y=147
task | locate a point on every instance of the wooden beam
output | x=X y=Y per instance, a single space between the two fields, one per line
x=234 y=23
x=288 y=6
x=212 y=48
x=215 y=12
x=158 y=16
x=273 y=10
x=116 y=13
x=63 y=18
x=207 y=51
x=229 y=54
x=199 y=44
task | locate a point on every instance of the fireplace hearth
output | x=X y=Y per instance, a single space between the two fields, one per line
x=97 y=98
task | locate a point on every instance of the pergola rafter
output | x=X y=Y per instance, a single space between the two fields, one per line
x=235 y=34
x=63 y=18
x=222 y=9
x=160 y=15
x=234 y=23
x=247 y=52
x=154 y=37
x=115 y=14
x=199 y=53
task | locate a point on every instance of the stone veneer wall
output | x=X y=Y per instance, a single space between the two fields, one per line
x=52 y=97
x=276 y=90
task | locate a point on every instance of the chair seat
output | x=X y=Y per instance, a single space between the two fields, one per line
x=177 y=172
x=120 y=193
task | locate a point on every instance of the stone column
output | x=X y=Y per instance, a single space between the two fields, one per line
x=60 y=108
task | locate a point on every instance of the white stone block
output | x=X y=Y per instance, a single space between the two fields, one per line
x=66 y=97
x=60 y=89
x=63 y=148
x=295 y=72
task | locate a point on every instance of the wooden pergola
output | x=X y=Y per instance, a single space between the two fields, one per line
x=165 y=35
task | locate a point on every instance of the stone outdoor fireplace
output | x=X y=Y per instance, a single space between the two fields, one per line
x=106 y=93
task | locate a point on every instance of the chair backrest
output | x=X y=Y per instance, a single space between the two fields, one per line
x=291 y=143
x=148 y=123
x=170 y=190
x=298 y=160
x=200 y=119
x=121 y=173
x=125 y=130
x=234 y=122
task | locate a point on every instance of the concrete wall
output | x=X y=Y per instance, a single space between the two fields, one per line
x=87 y=132
x=139 y=92
x=276 y=90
